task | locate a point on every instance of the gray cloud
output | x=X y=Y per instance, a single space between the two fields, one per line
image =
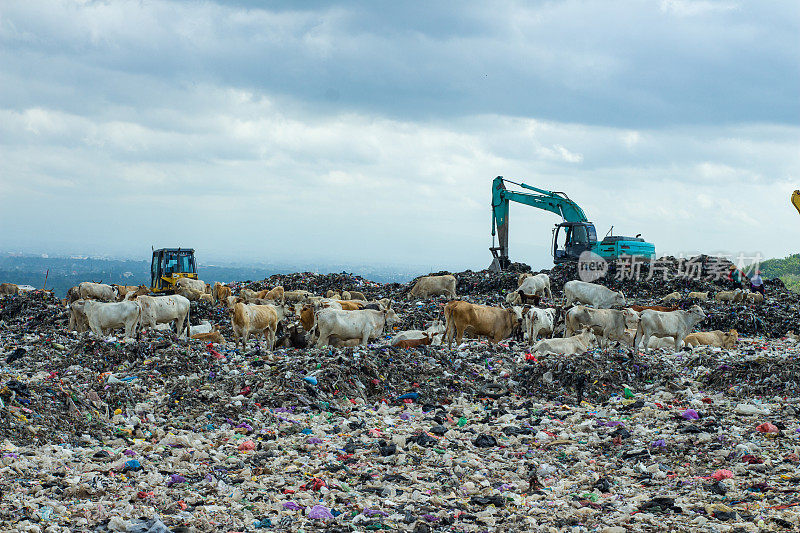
x=368 y=132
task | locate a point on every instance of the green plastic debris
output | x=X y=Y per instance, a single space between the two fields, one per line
x=627 y=393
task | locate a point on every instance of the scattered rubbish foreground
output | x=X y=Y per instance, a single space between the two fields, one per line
x=162 y=434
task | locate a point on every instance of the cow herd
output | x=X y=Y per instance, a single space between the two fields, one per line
x=590 y=314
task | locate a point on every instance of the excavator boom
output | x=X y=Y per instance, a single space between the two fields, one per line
x=580 y=234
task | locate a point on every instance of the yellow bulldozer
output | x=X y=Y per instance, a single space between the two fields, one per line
x=168 y=266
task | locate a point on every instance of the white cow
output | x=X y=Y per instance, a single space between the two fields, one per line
x=103 y=317
x=77 y=316
x=536 y=285
x=193 y=284
x=435 y=332
x=203 y=327
x=97 y=291
x=539 y=321
x=163 y=310
x=592 y=294
x=565 y=346
x=675 y=324
x=606 y=323
x=364 y=324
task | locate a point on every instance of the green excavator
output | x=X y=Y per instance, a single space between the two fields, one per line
x=579 y=235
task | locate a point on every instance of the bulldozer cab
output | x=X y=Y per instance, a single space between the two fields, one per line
x=576 y=238
x=168 y=266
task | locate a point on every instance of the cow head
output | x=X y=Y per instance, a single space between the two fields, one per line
x=588 y=335
x=619 y=299
x=390 y=317
x=729 y=339
x=631 y=318
x=697 y=312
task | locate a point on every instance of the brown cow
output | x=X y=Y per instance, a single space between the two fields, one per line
x=413 y=343
x=7 y=289
x=142 y=290
x=73 y=295
x=247 y=319
x=212 y=336
x=122 y=290
x=496 y=323
x=307 y=317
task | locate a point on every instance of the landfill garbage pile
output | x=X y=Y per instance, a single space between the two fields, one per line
x=318 y=284
x=158 y=433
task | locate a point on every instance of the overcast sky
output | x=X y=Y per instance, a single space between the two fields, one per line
x=370 y=131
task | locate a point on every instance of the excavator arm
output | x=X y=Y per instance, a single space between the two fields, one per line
x=555 y=202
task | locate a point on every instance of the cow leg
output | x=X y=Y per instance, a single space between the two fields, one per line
x=459 y=333
x=448 y=334
x=364 y=338
x=322 y=340
x=273 y=335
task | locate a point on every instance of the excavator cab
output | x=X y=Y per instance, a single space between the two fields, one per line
x=168 y=266
x=576 y=238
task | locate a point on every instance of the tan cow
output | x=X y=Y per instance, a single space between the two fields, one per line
x=729 y=296
x=189 y=283
x=192 y=295
x=8 y=289
x=428 y=286
x=221 y=292
x=755 y=297
x=256 y=319
x=496 y=323
x=702 y=296
x=720 y=339
x=248 y=295
x=356 y=295
x=672 y=297
x=295 y=296
x=276 y=295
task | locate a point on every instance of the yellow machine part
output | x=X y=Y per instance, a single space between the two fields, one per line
x=796 y=200
x=167 y=283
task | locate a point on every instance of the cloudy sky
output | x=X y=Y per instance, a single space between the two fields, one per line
x=370 y=131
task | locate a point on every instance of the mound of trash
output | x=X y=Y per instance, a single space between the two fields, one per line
x=160 y=433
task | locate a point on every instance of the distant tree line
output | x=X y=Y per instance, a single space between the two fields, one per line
x=787 y=269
